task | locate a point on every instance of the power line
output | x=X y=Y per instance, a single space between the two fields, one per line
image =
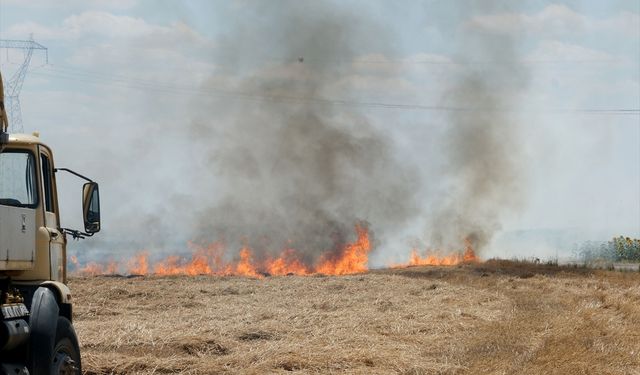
x=99 y=78
x=445 y=62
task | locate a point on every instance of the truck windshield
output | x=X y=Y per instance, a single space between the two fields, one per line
x=18 y=179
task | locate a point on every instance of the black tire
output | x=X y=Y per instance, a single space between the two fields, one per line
x=53 y=347
x=66 y=351
x=43 y=323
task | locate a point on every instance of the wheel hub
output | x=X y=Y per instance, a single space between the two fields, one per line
x=64 y=365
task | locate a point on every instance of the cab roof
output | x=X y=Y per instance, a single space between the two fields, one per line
x=24 y=139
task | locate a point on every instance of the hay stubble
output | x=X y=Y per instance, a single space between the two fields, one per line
x=491 y=318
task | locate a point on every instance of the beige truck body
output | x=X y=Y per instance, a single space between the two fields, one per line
x=32 y=245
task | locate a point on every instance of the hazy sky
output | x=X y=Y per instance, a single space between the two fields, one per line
x=126 y=77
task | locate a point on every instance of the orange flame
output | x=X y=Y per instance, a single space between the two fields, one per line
x=353 y=259
x=210 y=260
x=111 y=268
x=434 y=260
x=245 y=266
x=92 y=269
x=468 y=256
x=286 y=264
x=139 y=265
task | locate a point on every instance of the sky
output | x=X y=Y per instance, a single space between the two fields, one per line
x=127 y=82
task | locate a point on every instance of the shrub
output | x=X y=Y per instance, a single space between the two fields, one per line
x=627 y=248
x=618 y=249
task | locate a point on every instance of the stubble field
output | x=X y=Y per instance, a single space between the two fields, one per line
x=497 y=317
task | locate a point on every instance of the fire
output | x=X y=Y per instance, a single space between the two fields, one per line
x=353 y=259
x=439 y=260
x=93 y=269
x=433 y=259
x=111 y=268
x=287 y=264
x=212 y=259
x=469 y=255
x=139 y=265
x=245 y=266
x=174 y=265
x=209 y=260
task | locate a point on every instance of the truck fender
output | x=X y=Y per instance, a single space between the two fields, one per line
x=63 y=296
x=63 y=292
x=43 y=323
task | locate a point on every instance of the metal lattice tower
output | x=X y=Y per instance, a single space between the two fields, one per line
x=14 y=84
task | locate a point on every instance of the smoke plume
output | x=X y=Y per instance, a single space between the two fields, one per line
x=482 y=172
x=291 y=170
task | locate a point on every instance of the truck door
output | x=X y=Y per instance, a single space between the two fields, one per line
x=56 y=239
x=18 y=203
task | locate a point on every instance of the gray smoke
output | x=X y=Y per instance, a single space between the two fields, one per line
x=291 y=170
x=483 y=155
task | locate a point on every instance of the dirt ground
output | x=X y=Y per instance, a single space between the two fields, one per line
x=497 y=317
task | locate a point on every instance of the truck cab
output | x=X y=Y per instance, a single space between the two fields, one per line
x=36 y=331
x=32 y=243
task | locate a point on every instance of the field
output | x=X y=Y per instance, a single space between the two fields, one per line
x=496 y=317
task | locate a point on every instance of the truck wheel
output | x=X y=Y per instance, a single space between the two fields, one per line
x=66 y=352
x=43 y=323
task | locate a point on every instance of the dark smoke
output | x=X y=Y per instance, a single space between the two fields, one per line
x=482 y=149
x=291 y=170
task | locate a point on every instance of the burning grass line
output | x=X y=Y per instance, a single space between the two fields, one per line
x=209 y=260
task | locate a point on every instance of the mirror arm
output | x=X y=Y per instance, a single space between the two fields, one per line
x=76 y=234
x=73 y=173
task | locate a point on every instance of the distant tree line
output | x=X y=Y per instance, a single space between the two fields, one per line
x=618 y=249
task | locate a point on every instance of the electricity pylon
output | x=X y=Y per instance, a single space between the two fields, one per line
x=14 y=84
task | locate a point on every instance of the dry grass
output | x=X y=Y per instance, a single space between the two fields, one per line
x=497 y=317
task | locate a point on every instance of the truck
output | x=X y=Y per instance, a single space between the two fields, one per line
x=36 y=306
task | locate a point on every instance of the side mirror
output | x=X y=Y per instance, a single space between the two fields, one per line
x=91 y=207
